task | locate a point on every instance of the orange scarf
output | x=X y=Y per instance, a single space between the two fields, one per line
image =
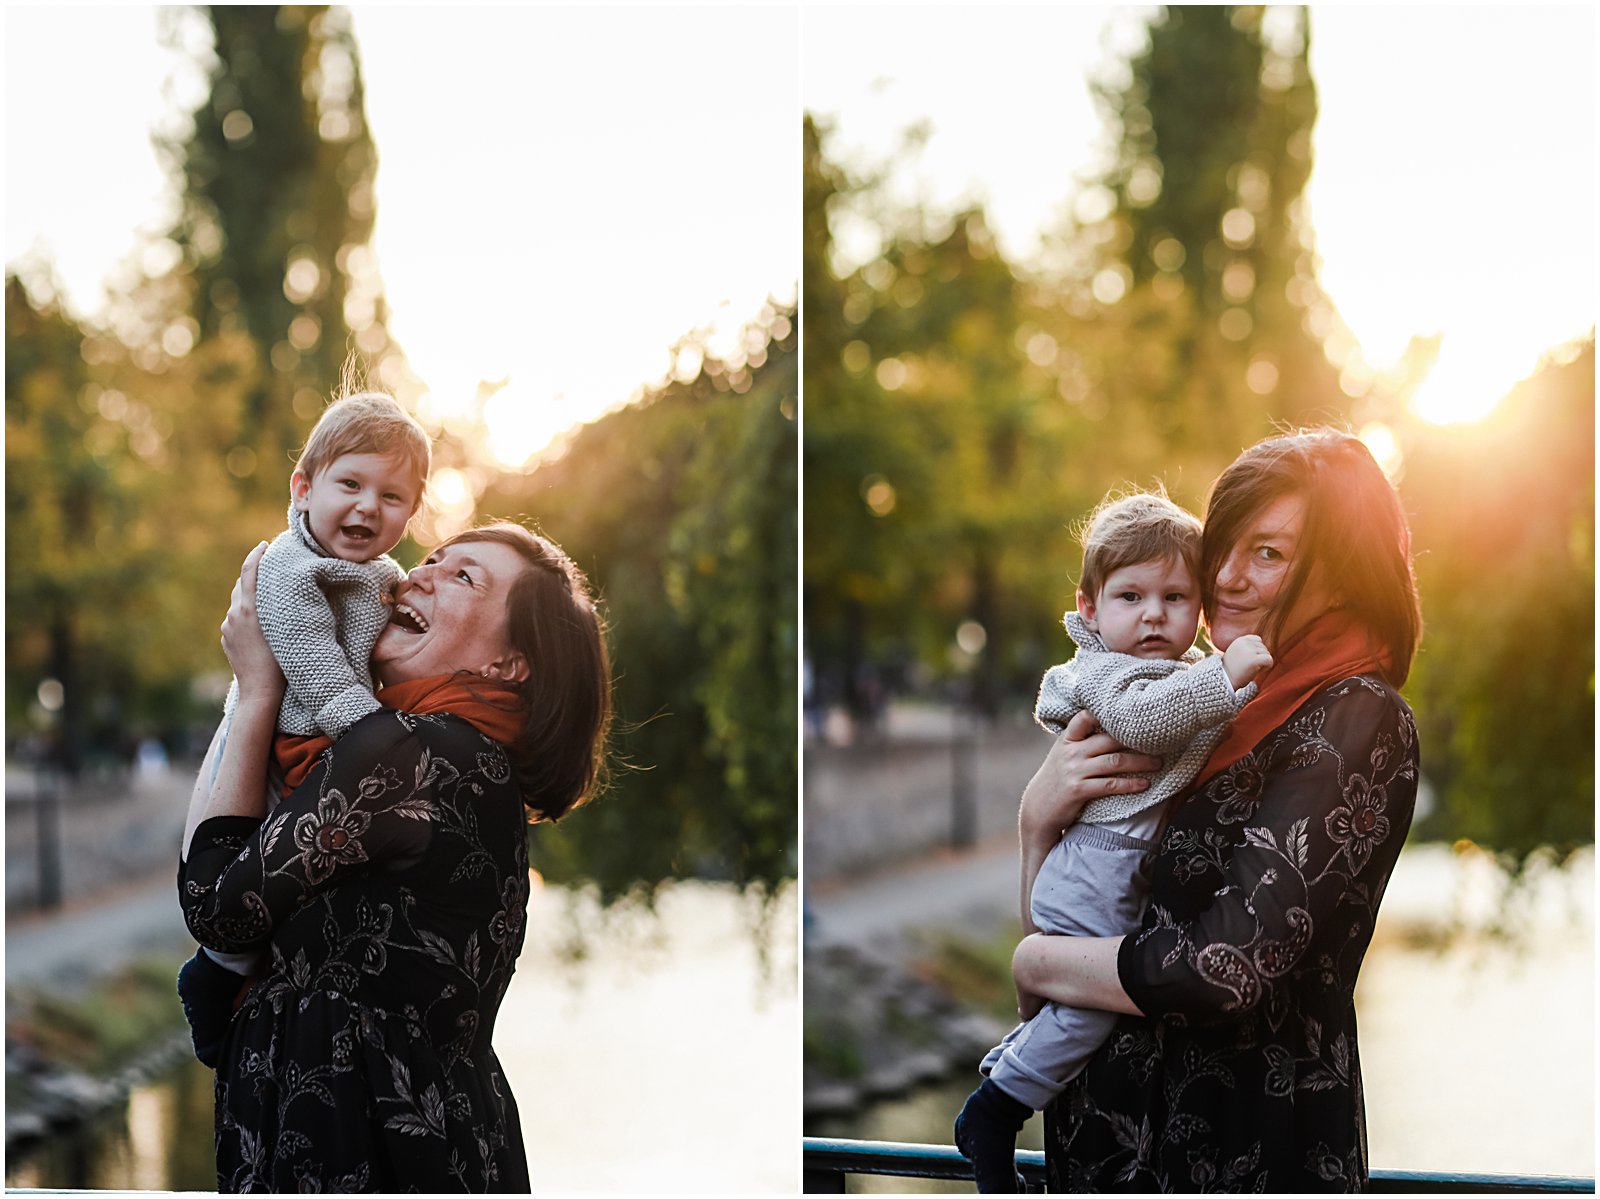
x=1330 y=648
x=493 y=708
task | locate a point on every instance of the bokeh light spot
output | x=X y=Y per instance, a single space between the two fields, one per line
x=972 y=637
x=1262 y=375
x=879 y=494
x=1238 y=228
x=241 y=462
x=237 y=126
x=1235 y=324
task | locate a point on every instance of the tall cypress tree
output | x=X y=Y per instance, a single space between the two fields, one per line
x=277 y=207
x=1207 y=233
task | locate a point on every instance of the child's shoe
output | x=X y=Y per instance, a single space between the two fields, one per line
x=986 y=1134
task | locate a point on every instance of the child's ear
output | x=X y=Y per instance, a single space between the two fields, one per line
x=300 y=490
x=1086 y=610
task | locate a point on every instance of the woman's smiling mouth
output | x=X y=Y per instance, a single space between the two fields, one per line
x=408 y=618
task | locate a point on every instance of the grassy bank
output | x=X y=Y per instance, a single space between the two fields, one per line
x=106 y=1025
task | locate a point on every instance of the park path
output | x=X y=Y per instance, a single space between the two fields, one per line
x=95 y=934
x=974 y=889
x=118 y=838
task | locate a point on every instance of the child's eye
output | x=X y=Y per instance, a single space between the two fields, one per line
x=351 y=483
x=1176 y=597
x=391 y=497
x=1131 y=597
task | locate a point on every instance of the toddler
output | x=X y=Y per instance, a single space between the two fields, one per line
x=1138 y=672
x=323 y=592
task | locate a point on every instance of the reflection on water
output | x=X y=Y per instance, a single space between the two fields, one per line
x=160 y=1140
x=665 y=1059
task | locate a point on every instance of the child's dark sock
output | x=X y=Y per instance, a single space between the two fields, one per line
x=208 y=991
x=986 y=1134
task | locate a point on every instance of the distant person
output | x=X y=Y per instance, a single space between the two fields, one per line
x=1138 y=673
x=323 y=593
x=1233 y=1064
x=390 y=887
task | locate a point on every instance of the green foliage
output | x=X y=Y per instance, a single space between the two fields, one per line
x=113 y=1023
x=962 y=414
x=1502 y=513
x=277 y=175
x=681 y=508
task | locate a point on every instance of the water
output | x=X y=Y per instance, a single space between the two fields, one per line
x=1477 y=1049
x=666 y=1059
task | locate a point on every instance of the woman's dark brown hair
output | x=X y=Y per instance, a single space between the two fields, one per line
x=559 y=756
x=1355 y=535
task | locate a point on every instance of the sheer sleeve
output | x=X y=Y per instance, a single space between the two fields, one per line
x=371 y=804
x=1277 y=865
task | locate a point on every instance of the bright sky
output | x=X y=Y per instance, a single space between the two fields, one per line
x=562 y=192
x=1454 y=156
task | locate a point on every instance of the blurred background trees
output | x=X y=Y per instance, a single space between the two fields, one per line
x=148 y=450
x=962 y=412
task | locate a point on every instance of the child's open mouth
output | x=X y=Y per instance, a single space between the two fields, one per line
x=357 y=532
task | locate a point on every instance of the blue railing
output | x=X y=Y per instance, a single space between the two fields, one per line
x=828 y=1161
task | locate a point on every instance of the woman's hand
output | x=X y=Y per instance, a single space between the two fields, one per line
x=260 y=677
x=1083 y=764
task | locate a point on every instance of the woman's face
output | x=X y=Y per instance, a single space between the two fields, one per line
x=1255 y=571
x=450 y=615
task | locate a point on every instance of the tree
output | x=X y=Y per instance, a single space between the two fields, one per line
x=1503 y=516
x=681 y=509
x=277 y=208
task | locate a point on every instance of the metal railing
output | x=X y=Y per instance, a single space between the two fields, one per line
x=829 y=1160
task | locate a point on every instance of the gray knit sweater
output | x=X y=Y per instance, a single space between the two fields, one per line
x=1175 y=710
x=321 y=615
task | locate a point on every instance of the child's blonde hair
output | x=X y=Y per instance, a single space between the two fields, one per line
x=369 y=422
x=1125 y=530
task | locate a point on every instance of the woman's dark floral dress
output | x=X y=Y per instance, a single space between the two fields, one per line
x=392 y=885
x=1244 y=1074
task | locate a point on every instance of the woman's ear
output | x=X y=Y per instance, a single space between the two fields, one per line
x=513 y=668
x=1086 y=610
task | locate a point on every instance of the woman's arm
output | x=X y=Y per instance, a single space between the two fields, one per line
x=370 y=805
x=1076 y=971
x=1292 y=855
x=239 y=785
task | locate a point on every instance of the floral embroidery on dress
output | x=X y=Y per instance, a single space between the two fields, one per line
x=1264 y=893
x=393 y=887
x=331 y=836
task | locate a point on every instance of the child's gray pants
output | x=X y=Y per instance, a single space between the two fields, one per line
x=1089 y=886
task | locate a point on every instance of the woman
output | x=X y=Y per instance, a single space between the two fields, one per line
x=392 y=883
x=1234 y=1066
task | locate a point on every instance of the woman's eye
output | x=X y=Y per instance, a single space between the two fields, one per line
x=464 y=577
x=1269 y=553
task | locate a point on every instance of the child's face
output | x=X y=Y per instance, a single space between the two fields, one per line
x=1149 y=610
x=358 y=505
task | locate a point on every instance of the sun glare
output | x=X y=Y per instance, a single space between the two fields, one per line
x=520 y=425
x=1465 y=384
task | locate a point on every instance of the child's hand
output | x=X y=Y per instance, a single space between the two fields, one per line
x=1245 y=658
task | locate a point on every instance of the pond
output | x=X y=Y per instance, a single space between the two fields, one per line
x=663 y=1058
